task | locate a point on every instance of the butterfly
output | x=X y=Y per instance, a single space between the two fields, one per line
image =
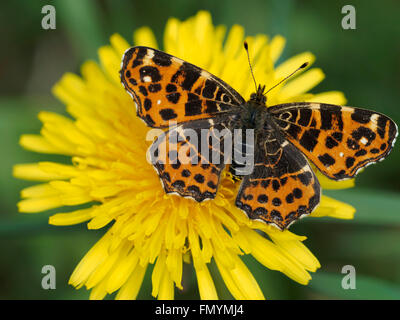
x=282 y=186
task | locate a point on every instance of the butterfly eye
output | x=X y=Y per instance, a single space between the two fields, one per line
x=253 y=96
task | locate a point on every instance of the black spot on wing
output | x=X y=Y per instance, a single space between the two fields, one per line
x=168 y=114
x=350 y=162
x=305 y=178
x=154 y=87
x=143 y=90
x=247 y=196
x=245 y=207
x=276 y=215
x=193 y=108
x=297 y=193
x=360 y=153
x=211 y=106
x=340 y=175
x=265 y=183
x=331 y=115
x=194 y=189
x=149 y=71
x=314 y=200
x=361 y=116
x=338 y=136
x=186 y=173
x=364 y=132
x=199 y=178
x=305 y=116
x=141 y=53
x=275 y=185
x=173 y=97
x=149 y=120
x=290 y=198
x=309 y=139
x=326 y=160
x=189 y=73
x=162 y=59
x=290 y=217
x=381 y=124
x=392 y=129
x=170 y=87
x=260 y=211
x=147 y=104
x=178 y=184
x=165 y=176
x=330 y=142
x=226 y=98
x=176 y=165
x=212 y=185
x=293 y=130
x=263 y=198
x=209 y=89
x=254 y=183
x=276 y=202
x=173 y=156
x=294 y=113
x=352 y=144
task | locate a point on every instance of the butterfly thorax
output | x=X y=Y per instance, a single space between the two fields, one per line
x=254 y=113
x=251 y=116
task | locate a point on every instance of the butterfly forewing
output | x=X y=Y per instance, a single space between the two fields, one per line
x=166 y=88
x=338 y=140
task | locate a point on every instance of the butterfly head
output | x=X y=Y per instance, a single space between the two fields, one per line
x=259 y=96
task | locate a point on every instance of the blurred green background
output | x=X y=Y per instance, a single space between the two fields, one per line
x=363 y=63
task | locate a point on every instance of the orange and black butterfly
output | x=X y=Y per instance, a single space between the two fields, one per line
x=282 y=186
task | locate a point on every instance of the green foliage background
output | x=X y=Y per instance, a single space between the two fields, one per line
x=363 y=63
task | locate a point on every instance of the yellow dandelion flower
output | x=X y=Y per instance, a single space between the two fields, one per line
x=107 y=145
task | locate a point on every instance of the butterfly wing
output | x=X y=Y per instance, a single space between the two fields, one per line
x=189 y=158
x=338 y=140
x=282 y=186
x=166 y=88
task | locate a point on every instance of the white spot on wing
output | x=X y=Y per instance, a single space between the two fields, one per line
x=205 y=74
x=348 y=109
x=150 y=54
x=374 y=117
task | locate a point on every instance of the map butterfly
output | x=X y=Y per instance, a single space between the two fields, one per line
x=282 y=187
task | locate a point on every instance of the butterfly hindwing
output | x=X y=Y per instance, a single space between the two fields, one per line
x=166 y=88
x=338 y=140
x=282 y=187
x=179 y=157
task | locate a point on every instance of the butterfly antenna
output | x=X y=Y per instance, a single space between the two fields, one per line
x=246 y=47
x=305 y=64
